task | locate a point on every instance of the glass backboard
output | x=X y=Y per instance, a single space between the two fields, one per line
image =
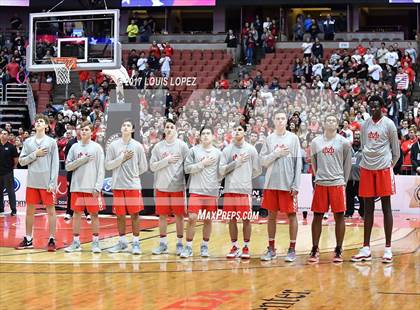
x=90 y=36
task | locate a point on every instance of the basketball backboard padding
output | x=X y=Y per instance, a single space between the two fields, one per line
x=51 y=34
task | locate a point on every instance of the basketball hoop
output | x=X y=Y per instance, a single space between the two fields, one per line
x=62 y=67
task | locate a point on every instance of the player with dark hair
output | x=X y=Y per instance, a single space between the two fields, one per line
x=167 y=162
x=380 y=152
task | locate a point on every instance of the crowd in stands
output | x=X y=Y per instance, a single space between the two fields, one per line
x=140 y=30
x=313 y=27
x=338 y=84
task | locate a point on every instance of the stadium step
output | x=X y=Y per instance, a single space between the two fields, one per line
x=17 y=115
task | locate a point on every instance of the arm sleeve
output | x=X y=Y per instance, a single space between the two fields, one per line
x=224 y=167
x=72 y=163
x=142 y=160
x=55 y=165
x=347 y=161
x=155 y=163
x=298 y=166
x=267 y=158
x=394 y=142
x=190 y=166
x=313 y=157
x=100 y=158
x=256 y=164
x=113 y=161
x=25 y=157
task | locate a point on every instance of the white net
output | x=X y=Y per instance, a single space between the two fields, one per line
x=62 y=67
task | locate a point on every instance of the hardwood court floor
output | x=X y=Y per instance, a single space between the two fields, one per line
x=36 y=279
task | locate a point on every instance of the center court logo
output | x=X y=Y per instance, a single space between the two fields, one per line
x=221 y=215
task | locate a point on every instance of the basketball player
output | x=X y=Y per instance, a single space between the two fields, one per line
x=167 y=162
x=331 y=160
x=281 y=156
x=40 y=154
x=380 y=152
x=239 y=164
x=127 y=160
x=86 y=160
x=202 y=164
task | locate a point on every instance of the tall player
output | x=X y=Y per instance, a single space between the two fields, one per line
x=239 y=165
x=331 y=161
x=281 y=156
x=202 y=164
x=40 y=154
x=380 y=152
x=167 y=162
x=86 y=160
x=127 y=160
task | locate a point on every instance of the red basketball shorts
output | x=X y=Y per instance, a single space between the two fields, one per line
x=202 y=202
x=80 y=201
x=325 y=196
x=376 y=183
x=277 y=200
x=239 y=203
x=127 y=201
x=39 y=196
x=168 y=203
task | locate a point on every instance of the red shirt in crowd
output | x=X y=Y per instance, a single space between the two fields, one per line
x=411 y=74
x=270 y=41
x=224 y=84
x=13 y=69
x=361 y=50
x=168 y=50
x=406 y=147
x=355 y=126
x=155 y=50
x=83 y=75
x=406 y=59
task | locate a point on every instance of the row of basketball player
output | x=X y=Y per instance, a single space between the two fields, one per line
x=238 y=163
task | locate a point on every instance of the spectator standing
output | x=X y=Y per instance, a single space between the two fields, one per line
x=314 y=30
x=415 y=154
x=406 y=146
x=299 y=28
x=307 y=48
x=375 y=71
x=392 y=58
x=83 y=77
x=352 y=188
x=132 y=58
x=9 y=160
x=318 y=49
x=308 y=23
x=329 y=28
x=168 y=49
x=401 y=80
x=155 y=50
x=132 y=31
x=141 y=63
x=381 y=56
x=165 y=68
x=12 y=69
x=232 y=43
